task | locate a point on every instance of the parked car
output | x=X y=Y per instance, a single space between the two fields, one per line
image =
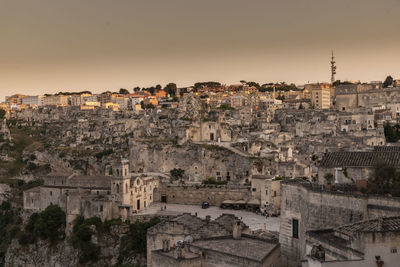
x=205 y=205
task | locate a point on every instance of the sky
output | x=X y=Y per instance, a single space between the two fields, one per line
x=47 y=46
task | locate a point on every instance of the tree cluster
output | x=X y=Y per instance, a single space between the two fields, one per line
x=385 y=179
x=135 y=241
x=177 y=173
x=200 y=85
x=47 y=225
x=2 y=113
x=388 y=82
x=392 y=133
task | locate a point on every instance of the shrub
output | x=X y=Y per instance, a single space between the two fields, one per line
x=104 y=153
x=212 y=180
x=49 y=225
x=81 y=238
x=176 y=173
x=135 y=240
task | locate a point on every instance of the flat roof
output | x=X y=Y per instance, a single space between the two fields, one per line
x=246 y=247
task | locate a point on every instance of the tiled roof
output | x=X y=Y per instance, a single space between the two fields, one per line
x=387 y=148
x=360 y=159
x=388 y=224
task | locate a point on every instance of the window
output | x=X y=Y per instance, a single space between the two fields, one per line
x=393 y=250
x=274 y=193
x=101 y=208
x=295 y=228
x=51 y=193
x=266 y=192
x=254 y=189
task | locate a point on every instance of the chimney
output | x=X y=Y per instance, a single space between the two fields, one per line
x=165 y=244
x=208 y=218
x=237 y=230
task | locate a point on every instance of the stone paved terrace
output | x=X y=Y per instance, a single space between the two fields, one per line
x=254 y=221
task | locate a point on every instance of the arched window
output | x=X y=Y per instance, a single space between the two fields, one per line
x=126 y=188
x=117 y=188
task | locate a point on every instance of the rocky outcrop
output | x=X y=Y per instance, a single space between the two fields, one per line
x=41 y=254
x=63 y=254
x=200 y=161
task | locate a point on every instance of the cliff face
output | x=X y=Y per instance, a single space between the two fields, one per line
x=198 y=161
x=41 y=254
x=63 y=254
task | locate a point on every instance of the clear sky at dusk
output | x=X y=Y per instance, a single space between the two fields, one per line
x=48 y=46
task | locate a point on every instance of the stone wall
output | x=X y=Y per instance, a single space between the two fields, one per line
x=161 y=259
x=195 y=195
x=315 y=209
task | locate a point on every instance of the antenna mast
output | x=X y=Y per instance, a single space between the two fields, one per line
x=333 y=68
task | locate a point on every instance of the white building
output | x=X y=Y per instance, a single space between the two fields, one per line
x=33 y=100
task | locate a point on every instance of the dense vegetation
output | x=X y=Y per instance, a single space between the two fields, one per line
x=212 y=180
x=177 y=173
x=10 y=224
x=384 y=180
x=392 y=133
x=135 y=241
x=82 y=238
x=106 y=152
x=47 y=225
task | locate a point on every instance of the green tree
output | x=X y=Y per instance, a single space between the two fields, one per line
x=384 y=179
x=177 y=173
x=82 y=238
x=392 y=134
x=2 y=113
x=170 y=89
x=388 y=82
x=328 y=177
x=135 y=241
x=50 y=224
x=123 y=91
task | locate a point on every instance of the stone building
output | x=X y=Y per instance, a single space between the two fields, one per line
x=105 y=197
x=321 y=96
x=367 y=243
x=305 y=207
x=352 y=96
x=350 y=166
x=187 y=240
x=209 y=132
x=266 y=190
x=353 y=122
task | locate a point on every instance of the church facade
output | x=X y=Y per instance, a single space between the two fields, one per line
x=115 y=196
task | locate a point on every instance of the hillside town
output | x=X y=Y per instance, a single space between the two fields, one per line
x=235 y=175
